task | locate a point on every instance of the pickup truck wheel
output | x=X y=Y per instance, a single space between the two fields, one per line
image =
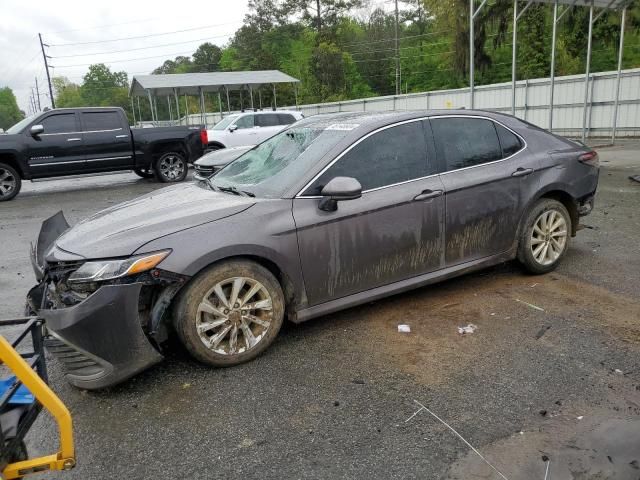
x=144 y=173
x=10 y=182
x=171 y=167
x=230 y=313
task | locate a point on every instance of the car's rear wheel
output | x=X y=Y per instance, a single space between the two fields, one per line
x=230 y=313
x=545 y=237
x=10 y=182
x=171 y=167
x=144 y=172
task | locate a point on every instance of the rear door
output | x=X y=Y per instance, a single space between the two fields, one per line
x=107 y=140
x=393 y=232
x=59 y=150
x=483 y=185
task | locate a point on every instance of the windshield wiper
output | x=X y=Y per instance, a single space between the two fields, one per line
x=235 y=191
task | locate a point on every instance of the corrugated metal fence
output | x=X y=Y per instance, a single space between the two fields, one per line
x=532 y=103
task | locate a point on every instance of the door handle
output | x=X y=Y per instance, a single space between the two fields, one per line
x=427 y=194
x=522 y=172
x=73 y=139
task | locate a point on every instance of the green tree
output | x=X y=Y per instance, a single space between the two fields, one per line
x=206 y=58
x=68 y=94
x=10 y=114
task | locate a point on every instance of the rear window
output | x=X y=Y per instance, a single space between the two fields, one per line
x=94 y=121
x=267 y=120
x=286 y=118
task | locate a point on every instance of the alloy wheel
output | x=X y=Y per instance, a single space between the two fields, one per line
x=172 y=167
x=234 y=316
x=548 y=237
x=7 y=182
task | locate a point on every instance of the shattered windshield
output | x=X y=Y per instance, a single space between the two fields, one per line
x=276 y=165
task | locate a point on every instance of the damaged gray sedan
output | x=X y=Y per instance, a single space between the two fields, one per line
x=333 y=212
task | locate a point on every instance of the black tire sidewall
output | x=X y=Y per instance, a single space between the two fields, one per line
x=525 y=255
x=161 y=177
x=16 y=175
x=185 y=309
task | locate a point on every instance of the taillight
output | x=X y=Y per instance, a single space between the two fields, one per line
x=590 y=158
x=204 y=138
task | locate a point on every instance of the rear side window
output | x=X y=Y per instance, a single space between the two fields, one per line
x=267 y=120
x=510 y=143
x=286 y=119
x=245 y=122
x=391 y=156
x=61 y=123
x=93 y=121
x=465 y=142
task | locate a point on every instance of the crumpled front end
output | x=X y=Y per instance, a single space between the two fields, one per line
x=102 y=332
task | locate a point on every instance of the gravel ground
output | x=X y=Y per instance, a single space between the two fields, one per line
x=333 y=398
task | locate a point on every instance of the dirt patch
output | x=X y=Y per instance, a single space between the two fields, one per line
x=512 y=311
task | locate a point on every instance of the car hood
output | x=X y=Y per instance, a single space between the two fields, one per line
x=122 y=229
x=222 y=156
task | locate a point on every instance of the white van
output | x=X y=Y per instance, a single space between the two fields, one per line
x=249 y=128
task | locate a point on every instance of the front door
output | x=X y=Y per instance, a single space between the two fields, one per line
x=59 y=150
x=482 y=182
x=393 y=232
x=107 y=142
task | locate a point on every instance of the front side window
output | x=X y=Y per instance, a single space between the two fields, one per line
x=387 y=157
x=225 y=122
x=465 y=142
x=94 y=121
x=60 y=123
x=245 y=122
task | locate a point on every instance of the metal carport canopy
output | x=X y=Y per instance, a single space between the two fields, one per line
x=193 y=83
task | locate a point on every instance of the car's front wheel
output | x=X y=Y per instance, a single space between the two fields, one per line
x=10 y=182
x=171 y=167
x=545 y=236
x=230 y=313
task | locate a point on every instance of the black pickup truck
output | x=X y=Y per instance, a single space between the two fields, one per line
x=75 y=141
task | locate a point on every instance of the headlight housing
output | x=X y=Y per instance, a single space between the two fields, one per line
x=101 y=270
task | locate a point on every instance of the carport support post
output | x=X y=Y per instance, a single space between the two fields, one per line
x=220 y=103
x=186 y=109
x=228 y=102
x=586 y=75
x=151 y=105
x=472 y=34
x=275 y=97
x=169 y=105
x=133 y=110
x=295 y=93
x=260 y=97
x=251 y=94
x=175 y=95
x=617 y=99
x=202 y=120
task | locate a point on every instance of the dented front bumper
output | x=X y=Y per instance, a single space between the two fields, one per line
x=100 y=341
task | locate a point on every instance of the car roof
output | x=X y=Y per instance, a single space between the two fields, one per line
x=264 y=112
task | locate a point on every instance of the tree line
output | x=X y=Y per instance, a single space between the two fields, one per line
x=345 y=49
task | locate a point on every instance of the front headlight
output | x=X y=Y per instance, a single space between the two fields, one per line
x=101 y=270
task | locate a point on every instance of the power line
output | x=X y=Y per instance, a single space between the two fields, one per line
x=141 y=36
x=142 y=48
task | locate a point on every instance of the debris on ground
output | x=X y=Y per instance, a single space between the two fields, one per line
x=542 y=331
x=635 y=178
x=471 y=328
x=404 y=329
x=618 y=371
x=535 y=307
x=580 y=417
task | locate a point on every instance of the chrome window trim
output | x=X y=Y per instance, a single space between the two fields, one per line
x=299 y=194
x=108 y=158
x=48 y=164
x=103 y=131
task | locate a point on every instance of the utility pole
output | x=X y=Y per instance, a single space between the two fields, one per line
x=398 y=85
x=46 y=67
x=38 y=95
x=319 y=17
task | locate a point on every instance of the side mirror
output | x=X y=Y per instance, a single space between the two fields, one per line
x=337 y=190
x=36 y=130
x=233 y=128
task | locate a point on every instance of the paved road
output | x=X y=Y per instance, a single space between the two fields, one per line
x=332 y=397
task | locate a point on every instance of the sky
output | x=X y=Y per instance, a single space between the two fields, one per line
x=107 y=24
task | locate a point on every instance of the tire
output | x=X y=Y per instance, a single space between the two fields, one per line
x=544 y=240
x=206 y=326
x=10 y=182
x=171 y=167
x=144 y=173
